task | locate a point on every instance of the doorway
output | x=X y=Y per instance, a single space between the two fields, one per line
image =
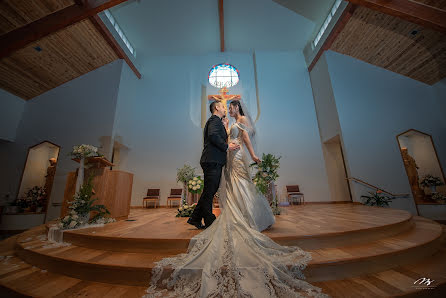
x=420 y=159
x=336 y=170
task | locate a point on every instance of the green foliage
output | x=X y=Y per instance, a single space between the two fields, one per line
x=377 y=199
x=430 y=180
x=267 y=172
x=439 y=197
x=81 y=206
x=185 y=174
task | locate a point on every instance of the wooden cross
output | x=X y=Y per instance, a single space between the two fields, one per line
x=224 y=97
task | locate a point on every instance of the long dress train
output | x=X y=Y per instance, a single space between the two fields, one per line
x=232 y=258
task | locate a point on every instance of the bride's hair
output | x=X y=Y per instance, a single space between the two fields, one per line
x=236 y=103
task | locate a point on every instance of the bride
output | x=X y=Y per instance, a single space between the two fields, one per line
x=232 y=258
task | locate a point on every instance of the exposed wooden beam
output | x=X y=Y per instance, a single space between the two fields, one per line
x=338 y=27
x=103 y=30
x=222 y=25
x=58 y=20
x=412 y=11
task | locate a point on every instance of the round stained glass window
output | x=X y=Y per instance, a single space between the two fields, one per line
x=223 y=75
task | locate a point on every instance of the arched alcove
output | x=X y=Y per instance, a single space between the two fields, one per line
x=39 y=170
x=420 y=159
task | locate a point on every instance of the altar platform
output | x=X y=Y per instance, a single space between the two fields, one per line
x=357 y=250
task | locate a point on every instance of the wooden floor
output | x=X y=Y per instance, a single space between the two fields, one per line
x=358 y=251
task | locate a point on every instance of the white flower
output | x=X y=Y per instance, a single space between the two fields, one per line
x=75 y=216
x=195 y=178
x=181 y=209
x=264 y=174
x=72 y=224
x=194 y=182
x=66 y=218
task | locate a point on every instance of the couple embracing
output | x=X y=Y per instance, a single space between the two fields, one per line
x=230 y=148
x=231 y=257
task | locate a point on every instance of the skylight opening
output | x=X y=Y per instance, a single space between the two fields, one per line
x=325 y=24
x=119 y=31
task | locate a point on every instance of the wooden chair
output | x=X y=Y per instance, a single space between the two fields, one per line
x=153 y=195
x=175 y=196
x=293 y=193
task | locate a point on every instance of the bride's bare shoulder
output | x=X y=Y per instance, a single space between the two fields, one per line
x=243 y=119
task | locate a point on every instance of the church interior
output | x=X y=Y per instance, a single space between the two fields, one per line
x=103 y=105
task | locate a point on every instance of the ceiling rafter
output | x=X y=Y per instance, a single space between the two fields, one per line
x=412 y=11
x=20 y=37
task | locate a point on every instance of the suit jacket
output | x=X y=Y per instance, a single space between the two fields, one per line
x=215 y=141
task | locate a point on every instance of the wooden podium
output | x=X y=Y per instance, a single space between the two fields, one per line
x=112 y=188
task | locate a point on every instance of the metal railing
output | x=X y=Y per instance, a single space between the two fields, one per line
x=377 y=188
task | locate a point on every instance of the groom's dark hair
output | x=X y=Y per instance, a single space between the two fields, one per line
x=212 y=107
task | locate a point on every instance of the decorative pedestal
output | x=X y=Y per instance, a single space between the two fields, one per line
x=112 y=188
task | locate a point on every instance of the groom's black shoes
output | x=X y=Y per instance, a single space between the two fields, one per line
x=197 y=224
x=209 y=221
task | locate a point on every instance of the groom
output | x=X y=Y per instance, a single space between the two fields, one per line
x=212 y=161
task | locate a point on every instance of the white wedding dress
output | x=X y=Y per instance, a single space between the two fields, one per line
x=232 y=258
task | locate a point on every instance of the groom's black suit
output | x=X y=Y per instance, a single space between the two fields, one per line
x=212 y=161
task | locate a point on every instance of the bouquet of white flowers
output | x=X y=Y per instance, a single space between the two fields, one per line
x=195 y=185
x=186 y=210
x=84 y=150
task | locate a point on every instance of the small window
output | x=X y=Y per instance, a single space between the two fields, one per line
x=223 y=75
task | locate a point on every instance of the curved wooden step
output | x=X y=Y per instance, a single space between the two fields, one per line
x=29 y=281
x=343 y=262
x=327 y=264
x=298 y=226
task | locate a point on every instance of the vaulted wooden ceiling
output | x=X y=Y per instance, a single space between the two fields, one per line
x=58 y=57
x=404 y=36
x=394 y=44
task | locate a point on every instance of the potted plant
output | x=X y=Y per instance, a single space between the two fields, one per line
x=82 y=206
x=377 y=199
x=439 y=197
x=184 y=175
x=432 y=182
x=266 y=176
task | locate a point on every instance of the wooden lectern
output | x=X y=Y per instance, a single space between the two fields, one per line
x=112 y=188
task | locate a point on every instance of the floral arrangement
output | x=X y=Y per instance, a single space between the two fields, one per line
x=439 y=197
x=377 y=199
x=184 y=175
x=33 y=199
x=80 y=209
x=84 y=150
x=265 y=177
x=430 y=180
x=267 y=172
x=195 y=185
x=186 y=210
